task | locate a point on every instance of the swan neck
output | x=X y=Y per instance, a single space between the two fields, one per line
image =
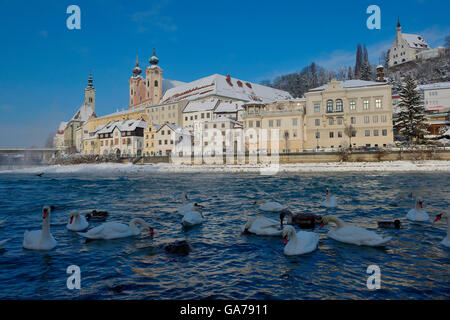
x=46 y=227
x=135 y=221
x=339 y=223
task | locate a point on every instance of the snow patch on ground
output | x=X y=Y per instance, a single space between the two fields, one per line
x=387 y=166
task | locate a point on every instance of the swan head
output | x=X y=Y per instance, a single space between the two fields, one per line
x=248 y=225
x=419 y=203
x=46 y=212
x=73 y=214
x=284 y=213
x=287 y=233
x=440 y=216
x=327 y=192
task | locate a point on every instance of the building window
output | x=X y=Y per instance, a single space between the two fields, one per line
x=353 y=133
x=195 y=117
x=339 y=120
x=367 y=133
x=156 y=83
x=378 y=103
x=294 y=122
x=339 y=134
x=353 y=120
x=384 y=132
x=278 y=123
x=331 y=121
x=192 y=118
x=317 y=122
x=258 y=123
x=366 y=104
x=366 y=119
x=203 y=116
x=330 y=106
x=331 y=134
x=317 y=134
x=352 y=105
x=207 y=115
x=250 y=124
x=375 y=119
x=375 y=133
x=339 y=105
x=383 y=118
x=317 y=107
x=270 y=123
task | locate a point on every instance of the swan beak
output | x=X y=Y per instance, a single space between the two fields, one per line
x=254 y=202
x=45 y=214
x=438 y=217
x=71 y=219
x=285 y=240
x=152 y=231
x=245 y=231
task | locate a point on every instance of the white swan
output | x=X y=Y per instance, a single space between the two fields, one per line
x=299 y=243
x=40 y=239
x=330 y=201
x=418 y=214
x=446 y=241
x=262 y=226
x=77 y=222
x=352 y=234
x=187 y=207
x=270 y=206
x=115 y=230
x=192 y=218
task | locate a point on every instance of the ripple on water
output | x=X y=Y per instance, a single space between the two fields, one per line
x=223 y=263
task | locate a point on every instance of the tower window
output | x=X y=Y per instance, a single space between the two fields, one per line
x=156 y=83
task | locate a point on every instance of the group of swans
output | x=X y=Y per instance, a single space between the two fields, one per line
x=297 y=243
x=44 y=240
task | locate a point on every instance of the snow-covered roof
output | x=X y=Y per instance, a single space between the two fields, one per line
x=229 y=107
x=176 y=129
x=127 y=125
x=201 y=105
x=225 y=86
x=415 y=41
x=226 y=119
x=62 y=127
x=84 y=113
x=434 y=86
x=353 y=84
x=156 y=126
x=169 y=84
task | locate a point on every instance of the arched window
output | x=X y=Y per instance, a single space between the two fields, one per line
x=339 y=105
x=330 y=106
x=156 y=83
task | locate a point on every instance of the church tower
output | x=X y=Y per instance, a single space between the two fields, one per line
x=399 y=31
x=136 y=86
x=153 y=80
x=89 y=93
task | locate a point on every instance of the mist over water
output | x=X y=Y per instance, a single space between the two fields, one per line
x=223 y=263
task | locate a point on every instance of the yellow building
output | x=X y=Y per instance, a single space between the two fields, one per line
x=352 y=112
x=284 y=118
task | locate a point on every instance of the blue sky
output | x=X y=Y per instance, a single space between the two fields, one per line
x=44 y=66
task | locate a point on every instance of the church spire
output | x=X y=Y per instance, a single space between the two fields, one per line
x=153 y=60
x=398 y=22
x=137 y=71
x=90 y=81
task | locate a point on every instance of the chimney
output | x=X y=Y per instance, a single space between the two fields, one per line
x=380 y=74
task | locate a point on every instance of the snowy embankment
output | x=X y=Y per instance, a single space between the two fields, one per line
x=387 y=166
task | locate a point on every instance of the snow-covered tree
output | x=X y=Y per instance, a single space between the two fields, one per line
x=359 y=61
x=411 y=118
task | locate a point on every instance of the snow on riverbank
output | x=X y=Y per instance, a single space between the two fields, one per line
x=388 y=166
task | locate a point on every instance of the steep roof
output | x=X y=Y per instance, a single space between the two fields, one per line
x=62 y=127
x=226 y=119
x=415 y=41
x=84 y=113
x=175 y=128
x=169 y=84
x=127 y=125
x=225 y=86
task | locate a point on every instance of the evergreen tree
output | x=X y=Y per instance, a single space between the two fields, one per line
x=359 y=61
x=411 y=118
x=447 y=42
x=350 y=73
